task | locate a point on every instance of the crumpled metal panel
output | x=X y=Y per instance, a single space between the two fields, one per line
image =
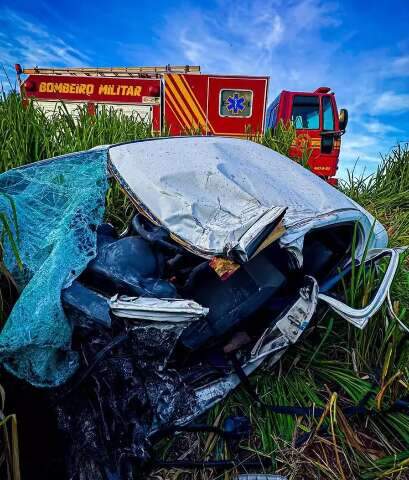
x=165 y=310
x=360 y=316
x=215 y=193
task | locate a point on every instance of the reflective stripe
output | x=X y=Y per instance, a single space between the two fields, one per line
x=189 y=100
x=190 y=121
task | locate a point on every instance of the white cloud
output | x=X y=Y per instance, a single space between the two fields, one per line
x=357 y=145
x=360 y=154
x=312 y=14
x=300 y=46
x=399 y=66
x=391 y=102
x=33 y=44
x=280 y=39
x=274 y=32
x=380 y=128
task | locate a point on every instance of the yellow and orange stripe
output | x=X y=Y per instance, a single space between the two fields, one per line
x=184 y=104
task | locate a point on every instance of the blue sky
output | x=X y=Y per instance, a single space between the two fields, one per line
x=359 y=48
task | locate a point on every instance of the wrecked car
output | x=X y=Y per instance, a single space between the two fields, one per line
x=230 y=251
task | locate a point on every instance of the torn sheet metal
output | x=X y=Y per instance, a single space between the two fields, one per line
x=216 y=195
x=157 y=309
x=290 y=327
x=78 y=300
x=360 y=317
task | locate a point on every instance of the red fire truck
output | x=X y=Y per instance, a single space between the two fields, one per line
x=183 y=100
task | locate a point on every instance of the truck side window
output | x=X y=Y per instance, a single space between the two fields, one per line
x=306 y=112
x=274 y=116
x=328 y=114
x=272 y=111
x=236 y=103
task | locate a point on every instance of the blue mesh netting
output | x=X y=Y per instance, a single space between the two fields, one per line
x=59 y=204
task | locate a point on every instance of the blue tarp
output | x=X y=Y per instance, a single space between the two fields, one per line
x=59 y=203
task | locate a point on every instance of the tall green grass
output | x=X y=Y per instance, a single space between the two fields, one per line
x=9 y=453
x=333 y=365
x=28 y=135
x=386 y=193
x=283 y=139
x=9 y=449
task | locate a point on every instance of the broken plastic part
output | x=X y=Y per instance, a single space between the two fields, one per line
x=127 y=266
x=291 y=325
x=233 y=300
x=80 y=300
x=156 y=236
x=237 y=427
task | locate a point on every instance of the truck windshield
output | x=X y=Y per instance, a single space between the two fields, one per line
x=306 y=112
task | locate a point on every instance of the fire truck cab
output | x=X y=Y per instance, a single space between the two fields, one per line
x=315 y=117
x=181 y=100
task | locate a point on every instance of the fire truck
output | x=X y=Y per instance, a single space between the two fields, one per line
x=182 y=100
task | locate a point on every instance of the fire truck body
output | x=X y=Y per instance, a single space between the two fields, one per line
x=133 y=96
x=315 y=117
x=181 y=100
x=214 y=104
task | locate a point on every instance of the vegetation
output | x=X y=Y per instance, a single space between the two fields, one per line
x=283 y=139
x=9 y=454
x=27 y=134
x=334 y=366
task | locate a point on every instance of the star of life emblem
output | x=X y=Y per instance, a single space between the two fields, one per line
x=235 y=104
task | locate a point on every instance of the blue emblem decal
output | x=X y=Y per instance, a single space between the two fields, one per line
x=235 y=104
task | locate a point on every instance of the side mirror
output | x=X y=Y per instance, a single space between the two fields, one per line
x=343 y=119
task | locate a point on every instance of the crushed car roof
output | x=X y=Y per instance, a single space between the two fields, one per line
x=217 y=195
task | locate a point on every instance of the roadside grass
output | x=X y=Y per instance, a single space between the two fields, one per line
x=9 y=452
x=27 y=134
x=333 y=366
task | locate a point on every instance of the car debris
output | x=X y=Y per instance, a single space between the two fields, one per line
x=260 y=476
x=230 y=251
x=166 y=310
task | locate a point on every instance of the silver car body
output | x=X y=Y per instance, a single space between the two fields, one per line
x=215 y=196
